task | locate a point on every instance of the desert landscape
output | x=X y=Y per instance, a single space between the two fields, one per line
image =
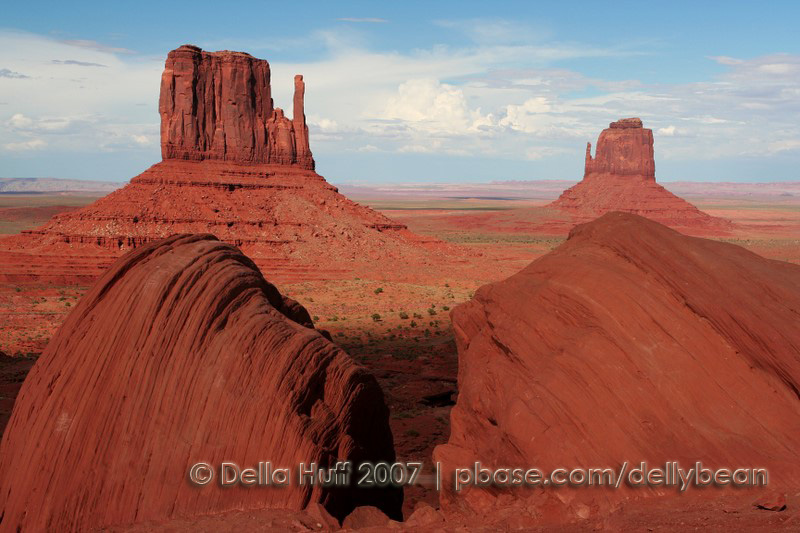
x=229 y=303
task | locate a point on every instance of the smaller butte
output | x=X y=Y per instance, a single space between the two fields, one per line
x=622 y=177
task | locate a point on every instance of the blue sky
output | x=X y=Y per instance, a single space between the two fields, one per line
x=420 y=91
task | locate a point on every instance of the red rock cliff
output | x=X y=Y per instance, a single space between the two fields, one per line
x=218 y=105
x=625 y=148
x=183 y=353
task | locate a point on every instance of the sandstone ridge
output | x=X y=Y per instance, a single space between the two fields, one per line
x=630 y=342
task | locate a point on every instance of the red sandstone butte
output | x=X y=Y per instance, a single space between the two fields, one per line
x=182 y=352
x=622 y=177
x=629 y=342
x=233 y=166
x=218 y=105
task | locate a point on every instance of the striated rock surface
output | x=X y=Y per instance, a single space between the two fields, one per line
x=218 y=105
x=233 y=166
x=182 y=353
x=624 y=149
x=630 y=342
x=621 y=177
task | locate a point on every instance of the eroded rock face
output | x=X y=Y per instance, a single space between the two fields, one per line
x=182 y=353
x=625 y=148
x=218 y=105
x=630 y=342
x=621 y=177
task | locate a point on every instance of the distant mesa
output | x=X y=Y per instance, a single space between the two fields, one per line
x=235 y=166
x=183 y=353
x=629 y=342
x=622 y=177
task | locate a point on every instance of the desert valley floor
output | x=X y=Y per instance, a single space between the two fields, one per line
x=395 y=326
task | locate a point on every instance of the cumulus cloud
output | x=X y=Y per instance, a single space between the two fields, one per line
x=430 y=106
x=19 y=121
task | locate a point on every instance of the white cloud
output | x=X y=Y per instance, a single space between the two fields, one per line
x=20 y=121
x=79 y=95
x=787 y=145
x=427 y=105
x=33 y=144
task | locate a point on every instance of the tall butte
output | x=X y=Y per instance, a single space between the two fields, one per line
x=622 y=177
x=235 y=166
x=218 y=105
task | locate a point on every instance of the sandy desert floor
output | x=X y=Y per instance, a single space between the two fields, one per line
x=394 y=328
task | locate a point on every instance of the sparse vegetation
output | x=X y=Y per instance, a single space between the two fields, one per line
x=376 y=317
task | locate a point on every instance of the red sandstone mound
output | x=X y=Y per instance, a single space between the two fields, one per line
x=182 y=353
x=621 y=177
x=234 y=166
x=630 y=342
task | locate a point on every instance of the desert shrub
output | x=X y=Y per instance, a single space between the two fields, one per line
x=431 y=311
x=445 y=308
x=376 y=317
x=413 y=324
x=403 y=315
x=378 y=290
x=412 y=433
